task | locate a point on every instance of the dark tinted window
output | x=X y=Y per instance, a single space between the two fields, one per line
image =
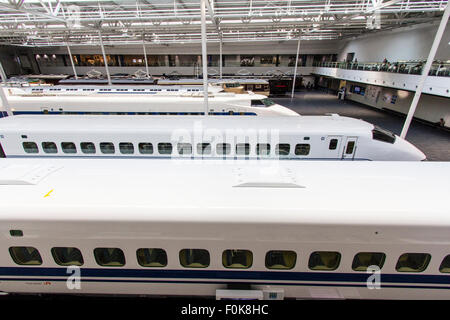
x=145 y=148
x=363 y=260
x=324 y=260
x=87 y=147
x=237 y=259
x=278 y=259
x=49 y=147
x=109 y=257
x=25 y=255
x=445 y=265
x=184 y=148
x=107 y=147
x=67 y=256
x=30 y=147
x=257 y=103
x=2 y=153
x=413 y=262
x=165 y=148
x=282 y=149
x=194 y=258
x=151 y=257
x=383 y=135
x=333 y=144
x=204 y=148
x=126 y=148
x=223 y=148
x=243 y=149
x=302 y=149
x=68 y=147
x=263 y=149
x=350 y=147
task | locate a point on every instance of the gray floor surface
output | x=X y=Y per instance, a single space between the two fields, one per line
x=433 y=141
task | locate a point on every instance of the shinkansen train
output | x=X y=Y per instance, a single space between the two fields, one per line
x=267 y=230
x=137 y=100
x=289 y=138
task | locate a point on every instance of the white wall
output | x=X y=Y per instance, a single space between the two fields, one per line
x=409 y=43
x=430 y=108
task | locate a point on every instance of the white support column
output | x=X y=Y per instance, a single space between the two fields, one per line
x=145 y=57
x=71 y=61
x=104 y=57
x=4 y=100
x=220 y=57
x=204 y=56
x=295 y=68
x=3 y=74
x=425 y=71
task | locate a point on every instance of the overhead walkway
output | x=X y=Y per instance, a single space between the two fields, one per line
x=399 y=75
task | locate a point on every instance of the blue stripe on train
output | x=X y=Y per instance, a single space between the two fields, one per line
x=223 y=276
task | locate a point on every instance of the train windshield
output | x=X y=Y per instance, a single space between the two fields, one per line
x=384 y=135
x=266 y=102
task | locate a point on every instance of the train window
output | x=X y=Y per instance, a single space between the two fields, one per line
x=302 y=149
x=107 y=147
x=109 y=257
x=263 y=149
x=363 y=260
x=126 y=148
x=324 y=260
x=152 y=257
x=204 y=148
x=30 y=147
x=350 y=147
x=413 y=262
x=223 y=148
x=49 y=147
x=267 y=102
x=445 y=265
x=67 y=256
x=16 y=233
x=194 y=258
x=165 y=148
x=257 y=103
x=87 y=147
x=184 y=148
x=278 y=259
x=237 y=259
x=25 y=255
x=333 y=144
x=145 y=148
x=384 y=135
x=242 y=149
x=68 y=147
x=282 y=149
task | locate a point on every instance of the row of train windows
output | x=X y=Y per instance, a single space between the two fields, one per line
x=165 y=148
x=232 y=258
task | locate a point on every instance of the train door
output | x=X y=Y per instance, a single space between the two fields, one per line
x=333 y=147
x=349 y=148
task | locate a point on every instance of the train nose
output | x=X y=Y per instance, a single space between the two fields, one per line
x=283 y=110
x=409 y=151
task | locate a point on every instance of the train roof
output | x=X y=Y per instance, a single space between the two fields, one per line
x=332 y=124
x=240 y=192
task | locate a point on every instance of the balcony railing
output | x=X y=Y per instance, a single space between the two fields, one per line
x=438 y=68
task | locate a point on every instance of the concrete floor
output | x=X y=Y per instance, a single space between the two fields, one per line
x=434 y=142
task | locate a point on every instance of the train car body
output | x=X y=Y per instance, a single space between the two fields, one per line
x=329 y=137
x=306 y=230
x=148 y=100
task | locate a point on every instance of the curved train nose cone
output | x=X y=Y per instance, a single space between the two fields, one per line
x=408 y=151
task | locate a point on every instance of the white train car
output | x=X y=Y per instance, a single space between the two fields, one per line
x=137 y=100
x=199 y=228
x=289 y=138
